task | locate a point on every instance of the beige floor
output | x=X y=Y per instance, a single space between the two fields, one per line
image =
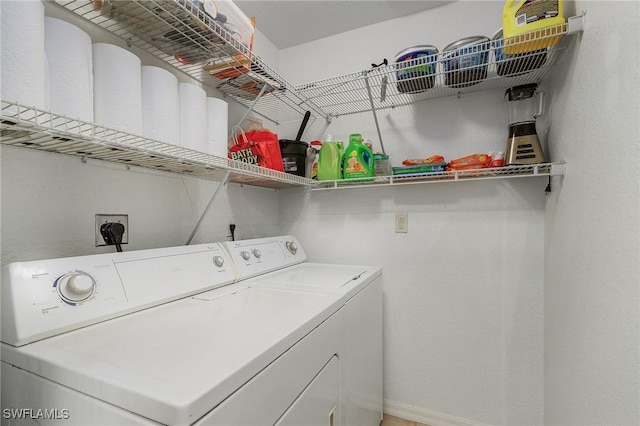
x=397 y=421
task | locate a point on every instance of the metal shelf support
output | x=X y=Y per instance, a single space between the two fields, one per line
x=222 y=184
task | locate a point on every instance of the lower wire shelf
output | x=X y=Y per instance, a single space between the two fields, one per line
x=32 y=128
x=514 y=171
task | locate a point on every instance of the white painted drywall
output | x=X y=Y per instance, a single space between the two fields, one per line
x=592 y=232
x=464 y=288
x=49 y=201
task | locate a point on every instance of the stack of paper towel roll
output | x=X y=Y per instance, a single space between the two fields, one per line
x=217 y=127
x=193 y=116
x=23 y=57
x=160 y=105
x=117 y=88
x=203 y=121
x=52 y=64
x=70 y=63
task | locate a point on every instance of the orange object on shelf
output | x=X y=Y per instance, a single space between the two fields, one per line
x=229 y=68
x=470 y=162
x=431 y=160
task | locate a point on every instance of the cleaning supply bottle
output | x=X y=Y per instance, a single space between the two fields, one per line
x=314 y=153
x=358 y=159
x=330 y=160
x=498 y=160
x=520 y=18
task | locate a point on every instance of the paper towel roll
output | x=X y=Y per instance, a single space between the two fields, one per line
x=193 y=116
x=69 y=56
x=23 y=57
x=160 y=105
x=117 y=88
x=217 y=126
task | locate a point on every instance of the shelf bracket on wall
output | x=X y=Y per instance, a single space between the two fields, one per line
x=223 y=183
x=575 y=24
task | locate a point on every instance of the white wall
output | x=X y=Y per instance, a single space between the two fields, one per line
x=464 y=288
x=592 y=249
x=49 y=201
x=478 y=120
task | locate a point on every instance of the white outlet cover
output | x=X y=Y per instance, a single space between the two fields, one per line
x=402 y=223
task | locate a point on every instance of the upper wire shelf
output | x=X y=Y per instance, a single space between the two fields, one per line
x=442 y=74
x=32 y=128
x=181 y=34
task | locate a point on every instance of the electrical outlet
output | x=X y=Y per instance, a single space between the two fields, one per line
x=402 y=223
x=101 y=219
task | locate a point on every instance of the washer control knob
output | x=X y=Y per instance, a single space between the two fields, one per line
x=218 y=261
x=257 y=253
x=245 y=255
x=292 y=247
x=76 y=286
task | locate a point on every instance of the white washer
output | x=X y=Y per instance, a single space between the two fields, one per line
x=167 y=336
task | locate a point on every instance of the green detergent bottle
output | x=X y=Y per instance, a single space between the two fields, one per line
x=330 y=161
x=358 y=159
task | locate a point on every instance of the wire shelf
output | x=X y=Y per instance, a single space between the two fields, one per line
x=185 y=37
x=515 y=171
x=442 y=75
x=32 y=128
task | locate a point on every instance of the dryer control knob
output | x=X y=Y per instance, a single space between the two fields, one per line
x=292 y=247
x=245 y=255
x=257 y=253
x=218 y=261
x=76 y=286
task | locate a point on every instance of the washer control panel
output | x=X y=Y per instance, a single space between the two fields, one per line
x=260 y=255
x=44 y=298
x=75 y=287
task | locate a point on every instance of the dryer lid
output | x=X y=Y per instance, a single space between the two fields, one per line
x=320 y=275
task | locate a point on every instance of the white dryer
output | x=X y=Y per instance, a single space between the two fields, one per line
x=280 y=263
x=166 y=336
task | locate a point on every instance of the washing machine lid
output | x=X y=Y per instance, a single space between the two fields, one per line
x=339 y=281
x=320 y=275
x=175 y=362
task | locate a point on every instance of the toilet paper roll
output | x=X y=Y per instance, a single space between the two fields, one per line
x=69 y=56
x=217 y=127
x=193 y=116
x=160 y=105
x=117 y=88
x=23 y=57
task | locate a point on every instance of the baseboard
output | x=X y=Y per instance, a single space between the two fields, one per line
x=431 y=418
